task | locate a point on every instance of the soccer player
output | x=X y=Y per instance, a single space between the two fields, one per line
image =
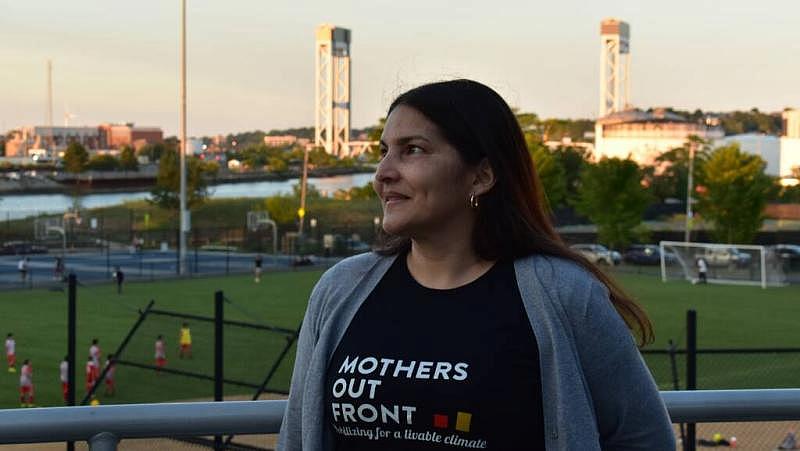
x=185 y=341
x=257 y=267
x=26 y=384
x=161 y=352
x=22 y=266
x=111 y=388
x=95 y=352
x=91 y=374
x=11 y=353
x=63 y=370
x=119 y=277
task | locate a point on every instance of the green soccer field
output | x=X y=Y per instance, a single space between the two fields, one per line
x=38 y=320
x=728 y=316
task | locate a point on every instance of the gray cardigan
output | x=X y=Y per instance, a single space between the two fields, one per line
x=597 y=391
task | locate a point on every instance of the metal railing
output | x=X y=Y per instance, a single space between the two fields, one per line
x=104 y=426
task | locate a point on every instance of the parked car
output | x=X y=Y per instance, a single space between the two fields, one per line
x=598 y=254
x=21 y=248
x=724 y=256
x=789 y=254
x=647 y=254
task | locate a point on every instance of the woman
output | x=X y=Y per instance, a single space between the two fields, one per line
x=473 y=326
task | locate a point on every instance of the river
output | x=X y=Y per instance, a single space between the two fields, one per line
x=20 y=206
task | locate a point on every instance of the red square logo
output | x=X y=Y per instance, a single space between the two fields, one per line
x=440 y=421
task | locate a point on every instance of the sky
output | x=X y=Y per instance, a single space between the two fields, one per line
x=251 y=62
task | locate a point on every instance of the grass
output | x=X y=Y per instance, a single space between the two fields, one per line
x=728 y=316
x=38 y=320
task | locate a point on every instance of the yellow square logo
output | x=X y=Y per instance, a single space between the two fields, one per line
x=463 y=421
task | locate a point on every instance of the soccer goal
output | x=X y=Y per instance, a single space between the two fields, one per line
x=733 y=264
x=259 y=220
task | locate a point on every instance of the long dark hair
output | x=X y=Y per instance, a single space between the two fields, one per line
x=512 y=218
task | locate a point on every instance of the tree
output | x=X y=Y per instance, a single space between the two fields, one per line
x=103 y=163
x=153 y=152
x=283 y=208
x=572 y=160
x=166 y=193
x=127 y=159
x=75 y=158
x=611 y=196
x=550 y=172
x=733 y=194
x=668 y=178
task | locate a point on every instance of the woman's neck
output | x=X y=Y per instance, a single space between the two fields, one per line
x=445 y=265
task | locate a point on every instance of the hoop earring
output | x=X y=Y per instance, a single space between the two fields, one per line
x=473 y=200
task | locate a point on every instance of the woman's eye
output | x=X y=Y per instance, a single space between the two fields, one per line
x=415 y=149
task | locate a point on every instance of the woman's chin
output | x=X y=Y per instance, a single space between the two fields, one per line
x=395 y=228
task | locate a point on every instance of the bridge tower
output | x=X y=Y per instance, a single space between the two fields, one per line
x=332 y=108
x=615 y=66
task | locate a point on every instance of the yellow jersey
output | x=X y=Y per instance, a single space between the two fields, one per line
x=186 y=336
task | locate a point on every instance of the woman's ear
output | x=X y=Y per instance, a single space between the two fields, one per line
x=484 y=178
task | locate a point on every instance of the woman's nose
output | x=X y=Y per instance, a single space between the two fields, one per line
x=387 y=169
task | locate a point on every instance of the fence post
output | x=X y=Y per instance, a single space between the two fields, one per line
x=227 y=253
x=218 y=355
x=71 y=338
x=104 y=441
x=108 y=252
x=675 y=381
x=690 y=444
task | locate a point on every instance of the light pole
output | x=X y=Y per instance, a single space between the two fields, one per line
x=313 y=223
x=376 y=221
x=690 y=182
x=184 y=220
x=302 y=211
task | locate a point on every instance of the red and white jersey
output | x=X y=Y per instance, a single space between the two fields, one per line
x=63 y=371
x=111 y=369
x=94 y=351
x=26 y=376
x=11 y=346
x=161 y=353
x=91 y=371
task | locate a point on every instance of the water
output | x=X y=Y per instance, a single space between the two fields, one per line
x=20 y=206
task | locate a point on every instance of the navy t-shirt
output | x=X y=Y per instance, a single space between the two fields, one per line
x=427 y=369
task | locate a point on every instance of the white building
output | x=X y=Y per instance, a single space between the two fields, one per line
x=768 y=147
x=790 y=142
x=644 y=136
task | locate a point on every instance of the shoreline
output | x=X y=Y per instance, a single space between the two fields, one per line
x=87 y=184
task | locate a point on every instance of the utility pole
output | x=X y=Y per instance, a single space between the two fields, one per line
x=184 y=220
x=688 y=227
x=301 y=213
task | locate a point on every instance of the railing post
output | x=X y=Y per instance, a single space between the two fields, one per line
x=690 y=444
x=675 y=382
x=104 y=441
x=72 y=283
x=219 y=299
